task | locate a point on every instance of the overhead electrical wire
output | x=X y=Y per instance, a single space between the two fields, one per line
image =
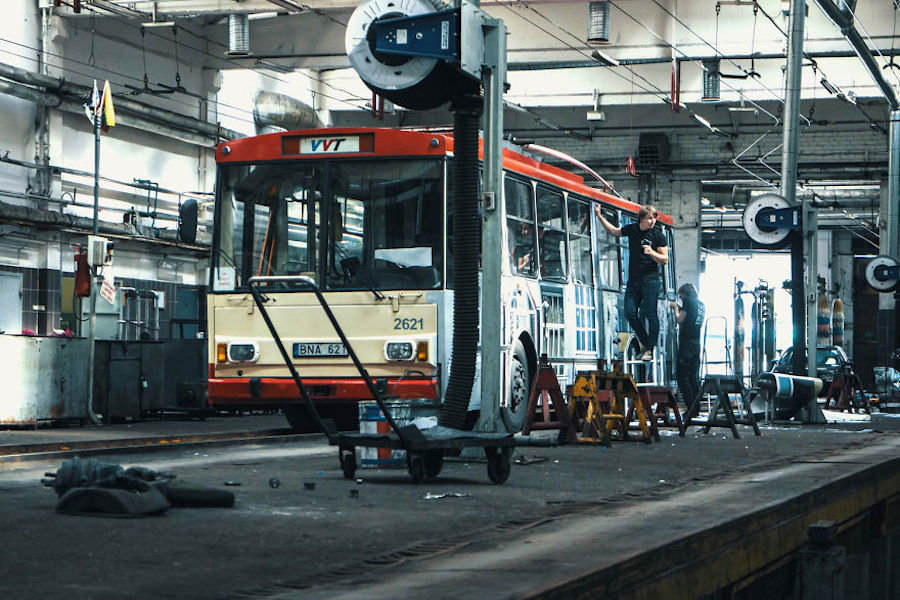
x=719 y=53
x=662 y=94
x=204 y=52
x=126 y=76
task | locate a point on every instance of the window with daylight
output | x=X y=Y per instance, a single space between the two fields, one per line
x=585 y=320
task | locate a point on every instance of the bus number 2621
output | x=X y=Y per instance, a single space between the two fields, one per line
x=408 y=324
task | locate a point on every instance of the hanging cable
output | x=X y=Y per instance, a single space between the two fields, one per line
x=892 y=64
x=91 y=60
x=753 y=73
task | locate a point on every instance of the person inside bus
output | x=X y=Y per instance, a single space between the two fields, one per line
x=647 y=249
x=689 y=316
x=522 y=241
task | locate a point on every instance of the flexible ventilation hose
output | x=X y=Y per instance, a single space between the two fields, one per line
x=467 y=110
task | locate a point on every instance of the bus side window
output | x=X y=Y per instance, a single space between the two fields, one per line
x=608 y=254
x=551 y=233
x=579 y=226
x=520 y=226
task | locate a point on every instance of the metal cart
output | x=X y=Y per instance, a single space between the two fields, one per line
x=425 y=448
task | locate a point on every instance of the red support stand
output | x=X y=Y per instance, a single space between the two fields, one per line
x=546 y=387
x=847 y=394
x=663 y=400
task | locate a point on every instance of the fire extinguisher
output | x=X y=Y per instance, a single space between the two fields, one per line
x=82 y=274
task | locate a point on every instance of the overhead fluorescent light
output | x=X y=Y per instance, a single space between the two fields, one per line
x=702 y=121
x=158 y=24
x=832 y=89
x=604 y=59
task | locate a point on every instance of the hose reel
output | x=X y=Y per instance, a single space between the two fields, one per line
x=418 y=82
x=768 y=220
x=883 y=274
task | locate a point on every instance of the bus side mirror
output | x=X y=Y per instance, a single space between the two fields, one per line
x=187 y=221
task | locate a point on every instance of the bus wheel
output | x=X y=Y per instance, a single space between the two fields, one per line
x=513 y=413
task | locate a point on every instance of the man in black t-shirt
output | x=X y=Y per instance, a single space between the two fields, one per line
x=647 y=249
x=690 y=318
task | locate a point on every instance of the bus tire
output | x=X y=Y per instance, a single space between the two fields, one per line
x=513 y=414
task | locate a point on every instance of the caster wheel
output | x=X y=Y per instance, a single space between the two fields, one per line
x=348 y=464
x=434 y=462
x=415 y=463
x=498 y=465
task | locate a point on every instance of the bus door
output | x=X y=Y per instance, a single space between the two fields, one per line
x=587 y=327
x=609 y=268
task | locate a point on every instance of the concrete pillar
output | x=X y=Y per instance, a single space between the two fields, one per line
x=894 y=566
x=887 y=303
x=685 y=209
x=821 y=565
x=880 y=568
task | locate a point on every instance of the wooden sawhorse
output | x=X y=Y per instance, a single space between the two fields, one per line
x=720 y=386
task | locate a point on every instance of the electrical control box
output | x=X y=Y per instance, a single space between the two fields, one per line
x=99 y=251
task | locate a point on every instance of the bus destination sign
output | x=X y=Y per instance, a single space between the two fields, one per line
x=333 y=144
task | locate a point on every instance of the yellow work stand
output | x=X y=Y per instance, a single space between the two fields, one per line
x=599 y=402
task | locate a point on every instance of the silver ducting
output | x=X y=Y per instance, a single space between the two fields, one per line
x=598 y=22
x=238 y=35
x=276 y=112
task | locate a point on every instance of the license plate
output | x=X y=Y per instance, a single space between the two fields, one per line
x=319 y=350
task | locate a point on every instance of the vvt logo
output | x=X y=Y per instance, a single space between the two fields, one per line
x=326 y=144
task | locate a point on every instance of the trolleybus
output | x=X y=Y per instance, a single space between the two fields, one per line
x=366 y=214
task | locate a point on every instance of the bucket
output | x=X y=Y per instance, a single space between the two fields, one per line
x=372 y=420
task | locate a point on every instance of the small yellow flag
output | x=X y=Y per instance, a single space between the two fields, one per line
x=109 y=113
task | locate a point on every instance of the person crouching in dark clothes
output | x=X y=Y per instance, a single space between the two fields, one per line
x=689 y=316
x=647 y=249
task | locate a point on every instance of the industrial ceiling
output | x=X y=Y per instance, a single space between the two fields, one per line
x=647 y=76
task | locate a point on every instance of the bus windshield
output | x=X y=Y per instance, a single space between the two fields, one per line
x=348 y=224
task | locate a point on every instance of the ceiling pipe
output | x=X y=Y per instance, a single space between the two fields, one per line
x=81 y=92
x=123 y=117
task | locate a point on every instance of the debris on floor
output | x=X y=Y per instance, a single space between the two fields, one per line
x=91 y=487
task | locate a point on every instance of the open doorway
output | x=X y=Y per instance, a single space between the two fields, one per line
x=717 y=287
x=10 y=302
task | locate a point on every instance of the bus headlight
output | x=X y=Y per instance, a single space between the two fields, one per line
x=398 y=350
x=243 y=352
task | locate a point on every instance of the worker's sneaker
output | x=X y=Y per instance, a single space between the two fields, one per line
x=647 y=356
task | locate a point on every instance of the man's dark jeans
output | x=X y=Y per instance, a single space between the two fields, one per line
x=640 y=305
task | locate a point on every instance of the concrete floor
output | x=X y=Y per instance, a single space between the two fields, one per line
x=291 y=541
